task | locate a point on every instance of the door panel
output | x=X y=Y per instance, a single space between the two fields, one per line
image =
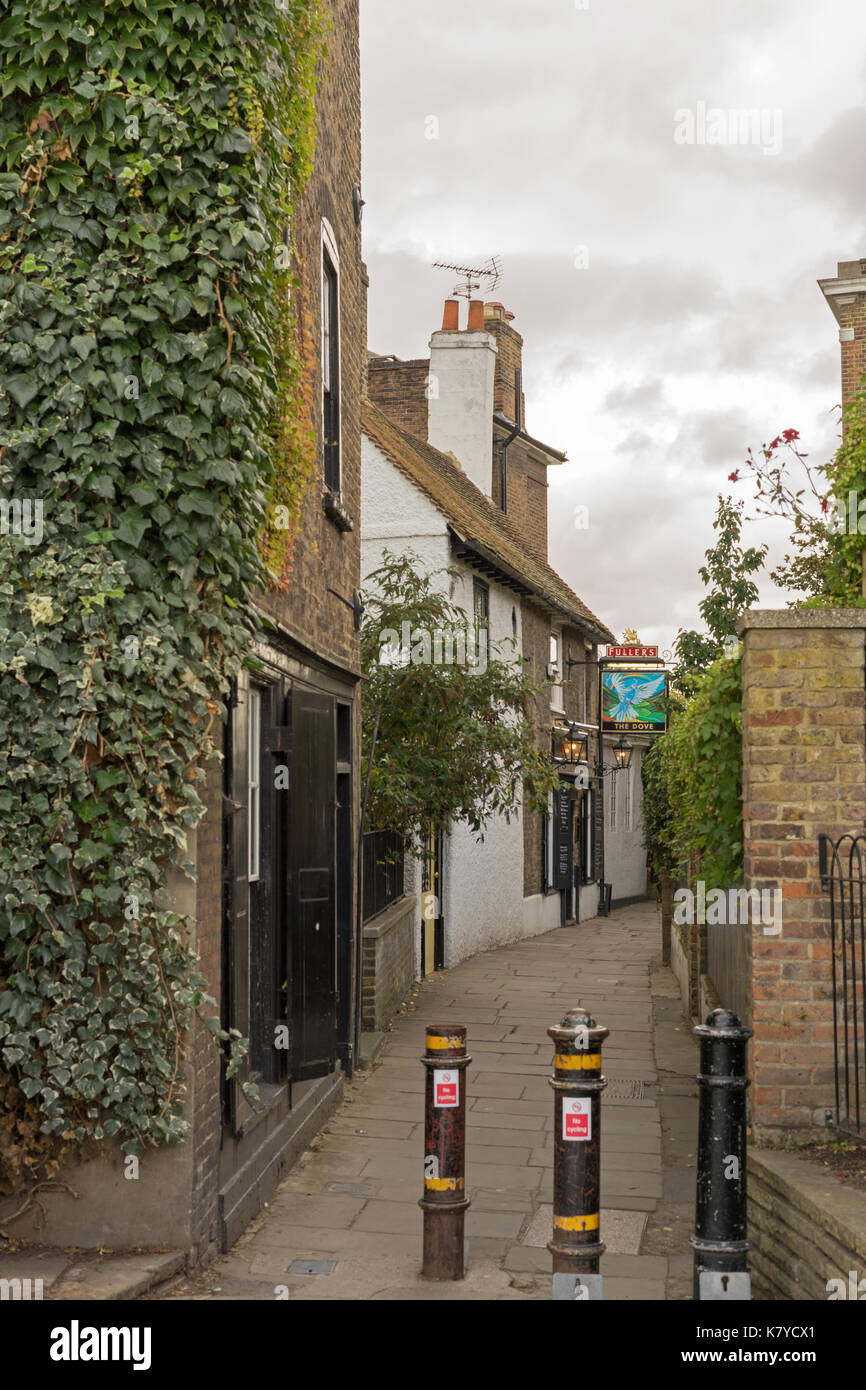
x=312 y=918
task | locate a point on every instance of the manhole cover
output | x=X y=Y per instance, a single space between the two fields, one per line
x=357 y=1189
x=312 y=1266
x=623 y=1088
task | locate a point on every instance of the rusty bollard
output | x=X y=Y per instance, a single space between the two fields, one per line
x=577 y=1083
x=444 y=1203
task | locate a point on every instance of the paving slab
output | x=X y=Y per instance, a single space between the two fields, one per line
x=352 y=1200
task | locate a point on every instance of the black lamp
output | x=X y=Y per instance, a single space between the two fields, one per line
x=622 y=752
x=574 y=745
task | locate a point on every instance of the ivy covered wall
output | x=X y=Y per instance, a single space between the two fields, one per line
x=152 y=460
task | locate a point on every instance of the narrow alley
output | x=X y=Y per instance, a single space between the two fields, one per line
x=350 y=1206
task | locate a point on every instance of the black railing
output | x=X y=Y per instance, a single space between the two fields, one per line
x=843 y=875
x=383 y=871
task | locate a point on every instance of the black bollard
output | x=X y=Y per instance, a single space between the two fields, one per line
x=719 y=1242
x=577 y=1082
x=444 y=1203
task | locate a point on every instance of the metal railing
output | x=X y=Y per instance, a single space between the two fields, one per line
x=729 y=965
x=842 y=866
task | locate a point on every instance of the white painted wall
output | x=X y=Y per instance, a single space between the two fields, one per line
x=397 y=516
x=624 y=849
x=460 y=411
x=483 y=902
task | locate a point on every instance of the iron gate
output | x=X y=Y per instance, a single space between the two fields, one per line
x=843 y=875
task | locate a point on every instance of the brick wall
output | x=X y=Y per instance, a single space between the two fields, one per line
x=205 y=1058
x=388 y=963
x=806 y=1228
x=851 y=314
x=509 y=359
x=399 y=389
x=803 y=774
x=324 y=556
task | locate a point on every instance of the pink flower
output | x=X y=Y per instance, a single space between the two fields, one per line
x=735 y=476
x=775 y=443
x=789 y=435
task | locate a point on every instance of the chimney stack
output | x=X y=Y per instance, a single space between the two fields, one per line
x=462 y=372
x=846 y=296
x=509 y=360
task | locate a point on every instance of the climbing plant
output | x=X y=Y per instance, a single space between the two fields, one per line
x=693 y=782
x=153 y=453
x=455 y=736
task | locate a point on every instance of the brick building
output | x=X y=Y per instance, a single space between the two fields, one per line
x=450 y=472
x=275 y=903
x=804 y=776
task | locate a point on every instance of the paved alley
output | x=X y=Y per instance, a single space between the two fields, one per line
x=352 y=1200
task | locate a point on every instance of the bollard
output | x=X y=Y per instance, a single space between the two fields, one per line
x=577 y=1083
x=444 y=1203
x=719 y=1242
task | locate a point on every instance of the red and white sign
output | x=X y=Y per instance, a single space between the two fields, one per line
x=632 y=653
x=577 y=1117
x=446 y=1088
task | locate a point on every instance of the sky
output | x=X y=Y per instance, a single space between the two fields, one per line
x=661 y=264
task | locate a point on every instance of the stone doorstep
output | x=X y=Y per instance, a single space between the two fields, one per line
x=93 y=1277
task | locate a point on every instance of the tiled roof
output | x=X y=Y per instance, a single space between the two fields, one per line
x=478 y=525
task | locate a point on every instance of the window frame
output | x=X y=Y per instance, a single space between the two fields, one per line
x=331 y=361
x=254 y=786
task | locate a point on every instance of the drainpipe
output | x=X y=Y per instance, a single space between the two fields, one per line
x=506 y=443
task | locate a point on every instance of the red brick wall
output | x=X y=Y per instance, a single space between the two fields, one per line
x=852 y=319
x=804 y=773
x=399 y=389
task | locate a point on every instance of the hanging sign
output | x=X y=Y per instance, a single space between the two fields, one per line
x=634 y=702
x=632 y=654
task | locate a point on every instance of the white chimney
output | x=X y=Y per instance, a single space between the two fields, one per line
x=460 y=393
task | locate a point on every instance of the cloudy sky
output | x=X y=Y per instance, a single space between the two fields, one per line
x=666 y=291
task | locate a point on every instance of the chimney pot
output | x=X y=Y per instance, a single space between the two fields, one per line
x=476 y=316
x=451 y=317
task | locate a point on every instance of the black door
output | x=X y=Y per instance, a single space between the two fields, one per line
x=312 y=917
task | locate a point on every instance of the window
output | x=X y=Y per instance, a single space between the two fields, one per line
x=612 y=783
x=330 y=359
x=254 y=762
x=556 y=684
x=481 y=603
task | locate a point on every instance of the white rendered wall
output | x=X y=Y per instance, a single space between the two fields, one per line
x=460 y=410
x=397 y=516
x=624 y=850
x=484 y=880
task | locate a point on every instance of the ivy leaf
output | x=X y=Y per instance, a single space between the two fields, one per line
x=22 y=389
x=132 y=527
x=179 y=425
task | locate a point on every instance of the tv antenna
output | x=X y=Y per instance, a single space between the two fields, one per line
x=473 y=277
